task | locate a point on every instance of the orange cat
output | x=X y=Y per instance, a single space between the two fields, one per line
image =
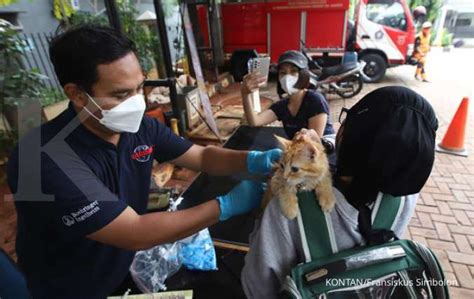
x=303 y=166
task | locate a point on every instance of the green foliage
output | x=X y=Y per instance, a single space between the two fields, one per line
x=146 y=43
x=21 y=87
x=81 y=17
x=11 y=48
x=7 y=142
x=432 y=7
x=50 y=96
x=17 y=85
x=352 y=7
x=168 y=7
x=7 y=2
x=446 y=38
x=143 y=39
x=432 y=38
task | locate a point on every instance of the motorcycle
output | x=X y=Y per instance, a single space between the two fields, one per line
x=344 y=79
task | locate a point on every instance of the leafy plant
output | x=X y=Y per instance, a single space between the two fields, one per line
x=22 y=86
x=446 y=38
x=143 y=39
x=432 y=7
x=169 y=6
x=51 y=95
x=82 y=17
x=7 y=2
x=147 y=43
x=14 y=79
x=7 y=142
x=18 y=86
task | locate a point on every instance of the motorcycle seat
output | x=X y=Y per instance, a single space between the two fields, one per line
x=337 y=70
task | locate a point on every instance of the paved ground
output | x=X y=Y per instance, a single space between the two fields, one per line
x=444 y=215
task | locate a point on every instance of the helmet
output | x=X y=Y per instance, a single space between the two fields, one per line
x=426 y=25
x=419 y=11
x=293 y=57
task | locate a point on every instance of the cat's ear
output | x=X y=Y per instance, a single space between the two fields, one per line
x=284 y=143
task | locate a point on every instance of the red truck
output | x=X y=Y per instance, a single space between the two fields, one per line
x=382 y=33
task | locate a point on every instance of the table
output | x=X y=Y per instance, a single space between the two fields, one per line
x=205 y=187
x=224 y=283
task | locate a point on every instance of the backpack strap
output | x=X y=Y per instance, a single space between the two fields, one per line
x=376 y=225
x=315 y=226
x=317 y=232
x=387 y=208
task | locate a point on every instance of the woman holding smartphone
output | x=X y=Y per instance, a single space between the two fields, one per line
x=298 y=108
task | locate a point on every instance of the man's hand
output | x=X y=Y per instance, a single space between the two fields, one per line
x=243 y=198
x=262 y=162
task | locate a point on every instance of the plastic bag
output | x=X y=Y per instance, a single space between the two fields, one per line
x=197 y=252
x=150 y=268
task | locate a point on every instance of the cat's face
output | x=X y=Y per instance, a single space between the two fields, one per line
x=303 y=159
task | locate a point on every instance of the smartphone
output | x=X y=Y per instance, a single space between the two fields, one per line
x=261 y=65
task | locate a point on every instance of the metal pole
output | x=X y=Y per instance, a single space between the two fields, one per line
x=216 y=35
x=212 y=33
x=160 y=22
x=113 y=15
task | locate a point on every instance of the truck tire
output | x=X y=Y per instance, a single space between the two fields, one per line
x=375 y=67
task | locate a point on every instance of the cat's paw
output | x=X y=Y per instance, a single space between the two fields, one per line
x=290 y=212
x=327 y=205
x=326 y=201
x=289 y=208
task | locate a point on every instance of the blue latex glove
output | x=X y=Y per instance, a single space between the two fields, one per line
x=243 y=198
x=262 y=162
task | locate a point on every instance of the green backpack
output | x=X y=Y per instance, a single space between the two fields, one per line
x=393 y=269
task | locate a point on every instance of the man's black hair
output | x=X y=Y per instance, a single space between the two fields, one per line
x=77 y=52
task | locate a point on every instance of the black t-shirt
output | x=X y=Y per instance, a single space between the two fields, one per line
x=69 y=183
x=313 y=104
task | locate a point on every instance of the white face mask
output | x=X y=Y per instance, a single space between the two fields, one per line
x=288 y=82
x=125 y=117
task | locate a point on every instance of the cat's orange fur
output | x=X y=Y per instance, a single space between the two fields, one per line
x=303 y=166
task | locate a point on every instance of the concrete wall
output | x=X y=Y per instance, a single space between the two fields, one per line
x=36 y=15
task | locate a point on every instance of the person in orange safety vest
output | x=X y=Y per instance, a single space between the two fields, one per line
x=422 y=47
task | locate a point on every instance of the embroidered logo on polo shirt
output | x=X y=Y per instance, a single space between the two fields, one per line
x=81 y=214
x=68 y=220
x=142 y=153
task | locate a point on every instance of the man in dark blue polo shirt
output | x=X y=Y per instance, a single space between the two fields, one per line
x=81 y=181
